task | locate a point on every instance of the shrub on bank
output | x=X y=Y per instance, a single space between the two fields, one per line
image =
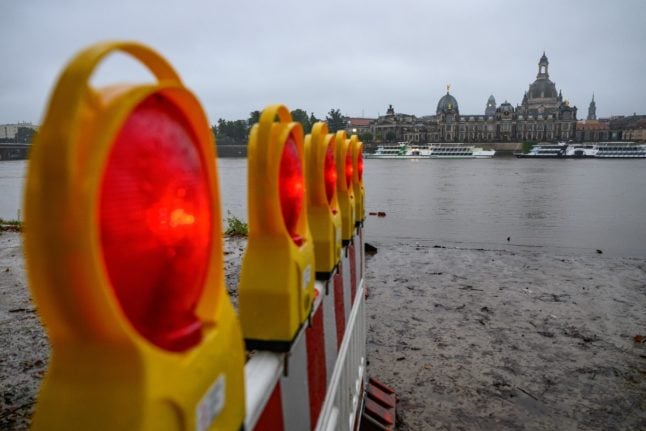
x=235 y=226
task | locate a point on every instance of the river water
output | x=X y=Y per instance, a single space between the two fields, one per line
x=560 y=206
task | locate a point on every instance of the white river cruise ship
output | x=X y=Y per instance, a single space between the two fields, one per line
x=404 y=150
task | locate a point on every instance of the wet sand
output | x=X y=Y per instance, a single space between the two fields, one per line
x=476 y=339
x=470 y=338
x=24 y=350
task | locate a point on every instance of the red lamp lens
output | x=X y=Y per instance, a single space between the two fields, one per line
x=291 y=188
x=360 y=164
x=329 y=172
x=348 y=168
x=156 y=224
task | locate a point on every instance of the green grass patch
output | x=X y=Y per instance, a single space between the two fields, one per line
x=235 y=226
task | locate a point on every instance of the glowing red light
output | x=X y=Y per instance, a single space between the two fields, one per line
x=360 y=164
x=329 y=172
x=348 y=168
x=156 y=224
x=291 y=188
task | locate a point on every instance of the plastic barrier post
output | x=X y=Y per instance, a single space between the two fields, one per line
x=345 y=192
x=276 y=288
x=124 y=257
x=323 y=206
x=357 y=178
x=319 y=381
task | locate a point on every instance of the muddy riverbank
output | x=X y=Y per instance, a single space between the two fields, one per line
x=508 y=339
x=470 y=338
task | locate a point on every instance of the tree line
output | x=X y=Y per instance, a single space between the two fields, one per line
x=236 y=132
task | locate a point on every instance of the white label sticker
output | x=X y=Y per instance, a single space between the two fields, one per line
x=307 y=276
x=211 y=404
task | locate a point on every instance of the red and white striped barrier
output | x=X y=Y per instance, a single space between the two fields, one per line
x=319 y=384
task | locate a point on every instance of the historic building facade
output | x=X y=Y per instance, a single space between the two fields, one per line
x=543 y=115
x=9 y=131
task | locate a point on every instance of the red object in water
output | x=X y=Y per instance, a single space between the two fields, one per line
x=330 y=173
x=291 y=187
x=156 y=220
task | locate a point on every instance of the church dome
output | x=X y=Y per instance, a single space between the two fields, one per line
x=506 y=108
x=542 y=88
x=447 y=104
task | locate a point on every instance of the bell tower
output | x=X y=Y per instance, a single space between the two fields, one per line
x=542 y=67
x=490 y=110
x=592 y=110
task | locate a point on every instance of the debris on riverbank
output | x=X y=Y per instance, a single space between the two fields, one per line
x=470 y=338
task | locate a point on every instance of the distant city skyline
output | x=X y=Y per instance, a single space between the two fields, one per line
x=359 y=57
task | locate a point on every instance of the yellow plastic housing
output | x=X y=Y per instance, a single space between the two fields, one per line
x=345 y=194
x=324 y=216
x=103 y=375
x=357 y=183
x=276 y=290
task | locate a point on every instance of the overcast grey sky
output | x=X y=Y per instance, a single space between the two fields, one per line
x=358 y=56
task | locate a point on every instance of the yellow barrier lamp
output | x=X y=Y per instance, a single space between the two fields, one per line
x=323 y=212
x=276 y=289
x=124 y=257
x=357 y=178
x=344 y=190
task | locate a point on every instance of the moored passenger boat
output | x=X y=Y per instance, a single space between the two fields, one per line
x=404 y=150
x=617 y=150
x=598 y=150
x=389 y=151
x=459 y=151
x=545 y=151
x=581 y=151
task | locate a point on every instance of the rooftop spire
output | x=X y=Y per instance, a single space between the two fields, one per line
x=542 y=67
x=592 y=109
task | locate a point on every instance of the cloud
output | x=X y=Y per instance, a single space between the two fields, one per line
x=357 y=56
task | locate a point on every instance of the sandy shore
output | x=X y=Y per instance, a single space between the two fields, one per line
x=24 y=350
x=470 y=338
x=508 y=339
